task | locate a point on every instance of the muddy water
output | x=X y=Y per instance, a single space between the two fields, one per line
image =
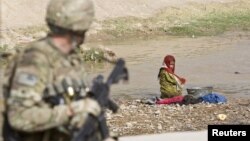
x=204 y=61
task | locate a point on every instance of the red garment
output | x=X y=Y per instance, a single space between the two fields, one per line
x=167 y=60
x=172 y=100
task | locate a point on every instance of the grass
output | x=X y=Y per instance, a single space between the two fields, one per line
x=3 y=48
x=188 y=20
x=32 y=30
x=93 y=55
x=123 y=27
x=192 y=20
x=3 y=61
x=213 y=24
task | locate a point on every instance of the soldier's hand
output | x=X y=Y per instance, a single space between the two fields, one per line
x=70 y=111
x=82 y=109
x=86 y=105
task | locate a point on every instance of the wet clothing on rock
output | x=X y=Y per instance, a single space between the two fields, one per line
x=182 y=100
x=188 y=99
x=170 y=84
x=214 y=98
x=27 y=77
x=173 y=100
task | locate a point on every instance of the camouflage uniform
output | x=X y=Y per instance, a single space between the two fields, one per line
x=40 y=64
x=1 y=103
x=4 y=58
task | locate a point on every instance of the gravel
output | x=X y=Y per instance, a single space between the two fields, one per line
x=135 y=118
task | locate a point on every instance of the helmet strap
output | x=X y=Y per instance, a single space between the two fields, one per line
x=77 y=40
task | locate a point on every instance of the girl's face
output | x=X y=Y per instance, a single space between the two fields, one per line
x=172 y=64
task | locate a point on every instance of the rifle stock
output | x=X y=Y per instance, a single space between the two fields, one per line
x=120 y=72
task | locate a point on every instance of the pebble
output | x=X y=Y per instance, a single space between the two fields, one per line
x=158 y=112
x=148 y=119
x=159 y=127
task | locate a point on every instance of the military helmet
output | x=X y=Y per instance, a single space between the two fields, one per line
x=74 y=15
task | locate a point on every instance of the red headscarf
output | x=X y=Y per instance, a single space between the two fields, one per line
x=166 y=66
x=167 y=60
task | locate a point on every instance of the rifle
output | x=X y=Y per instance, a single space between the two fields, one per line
x=72 y=90
x=100 y=92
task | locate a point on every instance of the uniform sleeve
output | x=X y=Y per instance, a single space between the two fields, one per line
x=26 y=109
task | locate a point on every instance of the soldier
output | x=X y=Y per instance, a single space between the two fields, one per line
x=49 y=61
x=1 y=103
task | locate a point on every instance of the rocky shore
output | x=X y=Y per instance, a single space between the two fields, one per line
x=135 y=118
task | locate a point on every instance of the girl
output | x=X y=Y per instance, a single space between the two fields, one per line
x=170 y=84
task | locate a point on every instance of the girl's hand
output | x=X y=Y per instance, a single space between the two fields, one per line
x=183 y=80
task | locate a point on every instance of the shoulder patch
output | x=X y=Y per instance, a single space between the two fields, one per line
x=27 y=79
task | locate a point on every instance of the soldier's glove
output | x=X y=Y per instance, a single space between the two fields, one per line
x=82 y=109
x=114 y=136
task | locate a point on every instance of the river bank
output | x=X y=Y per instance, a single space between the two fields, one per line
x=191 y=20
x=135 y=118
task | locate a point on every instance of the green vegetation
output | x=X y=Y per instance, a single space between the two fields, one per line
x=93 y=54
x=192 y=20
x=3 y=61
x=3 y=48
x=32 y=30
x=188 y=20
x=214 y=24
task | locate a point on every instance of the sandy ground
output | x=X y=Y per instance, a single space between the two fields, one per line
x=23 y=13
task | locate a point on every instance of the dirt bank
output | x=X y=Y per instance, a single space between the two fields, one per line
x=23 y=22
x=20 y=14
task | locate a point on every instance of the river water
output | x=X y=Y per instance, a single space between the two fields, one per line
x=203 y=61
